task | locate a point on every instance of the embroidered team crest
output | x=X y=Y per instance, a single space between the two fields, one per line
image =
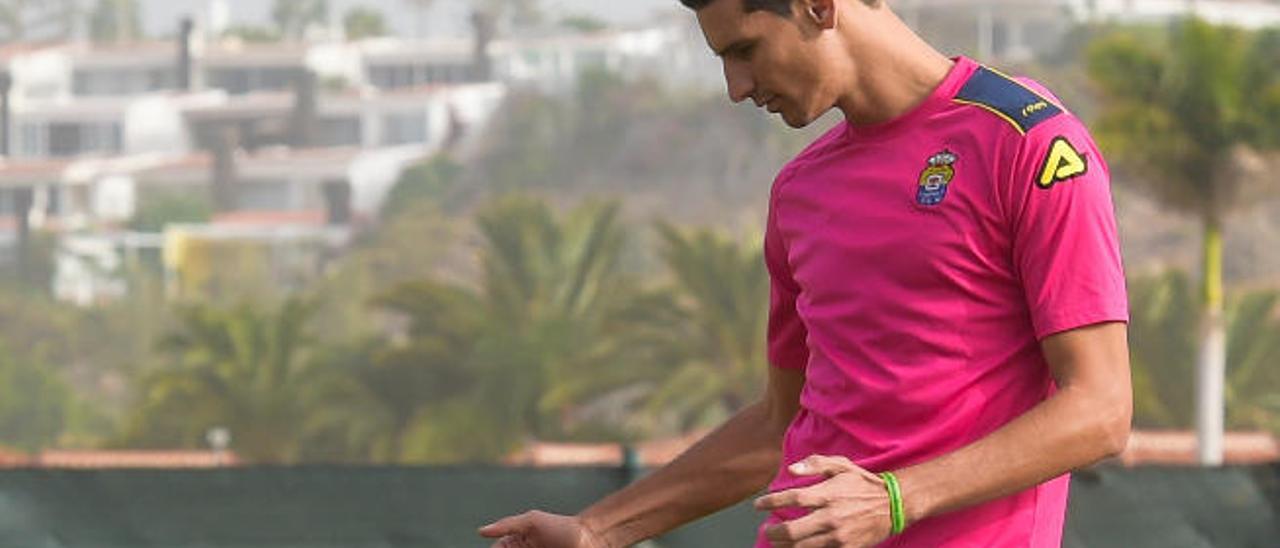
x=936 y=178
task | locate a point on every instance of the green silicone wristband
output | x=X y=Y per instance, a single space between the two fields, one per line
x=896 y=515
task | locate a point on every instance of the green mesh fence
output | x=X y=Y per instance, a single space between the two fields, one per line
x=324 y=507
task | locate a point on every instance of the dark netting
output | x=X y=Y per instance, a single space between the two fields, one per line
x=324 y=507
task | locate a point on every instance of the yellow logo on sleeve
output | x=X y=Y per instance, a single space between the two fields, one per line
x=1034 y=108
x=1062 y=163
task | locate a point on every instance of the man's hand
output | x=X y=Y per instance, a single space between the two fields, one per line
x=849 y=509
x=541 y=530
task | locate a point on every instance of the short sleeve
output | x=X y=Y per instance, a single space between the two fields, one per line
x=1065 y=244
x=788 y=348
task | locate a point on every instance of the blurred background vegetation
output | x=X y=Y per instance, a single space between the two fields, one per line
x=593 y=273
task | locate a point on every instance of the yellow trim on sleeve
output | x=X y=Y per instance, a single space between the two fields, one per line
x=993 y=110
x=1026 y=87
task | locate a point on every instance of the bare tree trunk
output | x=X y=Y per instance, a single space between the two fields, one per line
x=484 y=26
x=227 y=141
x=17 y=25
x=1212 y=360
x=303 y=120
x=122 y=30
x=986 y=34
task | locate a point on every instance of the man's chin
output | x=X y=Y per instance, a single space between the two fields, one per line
x=793 y=121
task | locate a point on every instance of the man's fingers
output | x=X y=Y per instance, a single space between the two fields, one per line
x=797 y=530
x=818 y=541
x=512 y=541
x=511 y=525
x=822 y=465
x=793 y=498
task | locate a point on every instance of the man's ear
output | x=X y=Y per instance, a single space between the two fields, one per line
x=822 y=13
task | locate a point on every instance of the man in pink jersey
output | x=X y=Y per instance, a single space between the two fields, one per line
x=947 y=309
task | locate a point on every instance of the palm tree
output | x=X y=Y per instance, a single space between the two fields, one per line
x=1183 y=117
x=360 y=23
x=1162 y=343
x=430 y=382
x=293 y=17
x=554 y=324
x=13 y=19
x=485 y=16
x=239 y=368
x=116 y=21
x=35 y=402
x=558 y=294
x=374 y=395
x=18 y=18
x=1253 y=361
x=1162 y=340
x=721 y=288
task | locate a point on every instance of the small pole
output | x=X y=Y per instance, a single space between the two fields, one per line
x=219 y=439
x=631 y=466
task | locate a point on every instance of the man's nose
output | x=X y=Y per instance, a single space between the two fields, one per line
x=737 y=78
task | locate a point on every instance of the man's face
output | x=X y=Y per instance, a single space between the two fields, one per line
x=773 y=60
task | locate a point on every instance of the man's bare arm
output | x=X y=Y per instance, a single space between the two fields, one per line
x=732 y=463
x=1085 y=421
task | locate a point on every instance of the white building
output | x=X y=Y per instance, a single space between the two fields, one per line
x=279 y=195
x=1016 y=30
x=363 y=141
x=1251 y=14
x=395 y=64
x=553 y=63
x=421 y=117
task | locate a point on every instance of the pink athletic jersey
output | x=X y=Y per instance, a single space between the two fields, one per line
x=917 y=264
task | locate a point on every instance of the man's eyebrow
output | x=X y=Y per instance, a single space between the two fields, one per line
x=736 y=44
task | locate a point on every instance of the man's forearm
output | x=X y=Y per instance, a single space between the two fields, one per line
x=732 y=463
x=1085 y=421
x=1068 y=431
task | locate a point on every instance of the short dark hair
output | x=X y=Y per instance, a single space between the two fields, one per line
x=780 y=7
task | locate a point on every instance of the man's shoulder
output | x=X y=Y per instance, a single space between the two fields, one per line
x=1025 y=119
x=1021 y=103
x=829 y=139
x=820 y=146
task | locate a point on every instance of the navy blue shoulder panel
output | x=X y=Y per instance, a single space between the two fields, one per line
x=1008 y=99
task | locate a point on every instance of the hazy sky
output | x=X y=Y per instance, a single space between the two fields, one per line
x=447 y=16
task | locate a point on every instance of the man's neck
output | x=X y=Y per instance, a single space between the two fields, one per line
x=905 y=71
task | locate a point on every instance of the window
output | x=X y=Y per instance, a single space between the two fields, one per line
x=404 y=128
x=120 y=81
x=338 y=132
x=379 y=78
x=69 y=139
x=402 y=76
x=31 y=141
x=161 y=79
x=53 y=205
x=7 y=201
x=235 y=82
x=392 y=76
x=262 y=195
x=103 y=137
x=64 y=139
x=239 y=81
x=275 y=79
